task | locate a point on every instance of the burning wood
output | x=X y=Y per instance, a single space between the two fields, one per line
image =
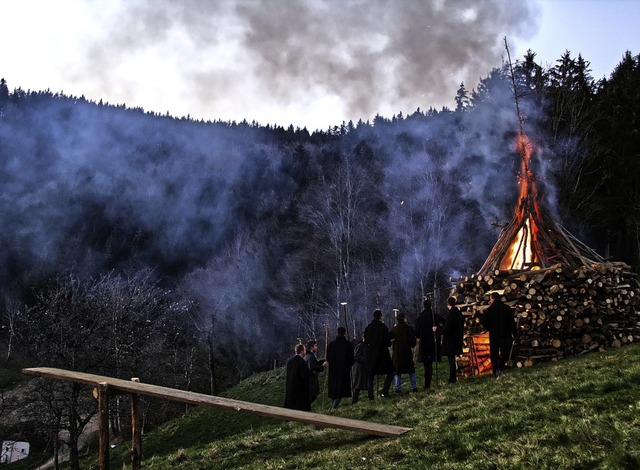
x=533 y=240
x=567 y=298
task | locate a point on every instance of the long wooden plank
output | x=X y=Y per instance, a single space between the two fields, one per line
x=193 y=398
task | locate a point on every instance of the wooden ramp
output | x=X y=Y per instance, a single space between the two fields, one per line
x=104 y=386
x=193 y=398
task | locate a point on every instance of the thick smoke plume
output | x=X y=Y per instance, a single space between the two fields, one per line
x=291 y=61
x=95 y=188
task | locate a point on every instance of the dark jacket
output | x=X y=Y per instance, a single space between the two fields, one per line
x=297 y=385
x=453 y=333
x=498 y=319
x=378 y=340
x=424 y=332
x=340 y=358
x=315 y=367
x=404 y=340
x=359 y=372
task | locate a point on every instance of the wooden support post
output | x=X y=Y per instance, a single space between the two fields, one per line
x=103 y=418
x=136 y=430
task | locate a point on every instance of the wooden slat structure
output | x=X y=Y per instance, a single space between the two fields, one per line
x=479 y=353
x=105 y=385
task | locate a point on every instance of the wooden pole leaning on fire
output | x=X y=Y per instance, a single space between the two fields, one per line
x=515 y=90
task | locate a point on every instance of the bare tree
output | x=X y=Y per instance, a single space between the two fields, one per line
x=337 y=210
x=11 y=314
x=113 y=325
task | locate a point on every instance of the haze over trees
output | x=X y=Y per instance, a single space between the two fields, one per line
x=193 y=253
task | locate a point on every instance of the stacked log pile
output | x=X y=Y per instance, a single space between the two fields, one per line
x=561 y=311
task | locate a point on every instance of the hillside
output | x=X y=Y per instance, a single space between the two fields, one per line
x=581 y=412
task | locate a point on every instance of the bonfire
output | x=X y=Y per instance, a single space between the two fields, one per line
x=567 y=298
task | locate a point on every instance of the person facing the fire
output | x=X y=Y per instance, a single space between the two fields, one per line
x=378 y=339
x=297 y=383
x=315 y=367
x=404 y=340
x=427 y=325
x=498 y=319
x=359 y=370
x=340 y=358
x=452 y=337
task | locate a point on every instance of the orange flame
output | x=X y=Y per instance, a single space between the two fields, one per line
x=521 y=253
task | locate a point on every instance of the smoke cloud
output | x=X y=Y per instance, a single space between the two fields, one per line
x=295 y=62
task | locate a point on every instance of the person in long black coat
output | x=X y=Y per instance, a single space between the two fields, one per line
x=427 y=325
x=297 y=384
x=359 y=370
x=404 y=340
x=340 y=359
x=498 y=319
x=453 y=336
x=378 y=339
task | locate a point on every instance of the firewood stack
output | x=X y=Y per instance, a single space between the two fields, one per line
x=561 y=311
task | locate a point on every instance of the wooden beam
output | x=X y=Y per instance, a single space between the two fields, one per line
x=366 y=427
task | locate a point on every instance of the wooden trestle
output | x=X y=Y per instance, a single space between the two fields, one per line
x=104 y=385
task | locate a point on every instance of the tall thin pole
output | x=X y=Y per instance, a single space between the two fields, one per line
x=346 y=319
x=515 y=90
x=435 y=340
x=520 y=115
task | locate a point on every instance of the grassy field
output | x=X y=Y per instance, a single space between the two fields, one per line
x=578 y=413
x=581 y=412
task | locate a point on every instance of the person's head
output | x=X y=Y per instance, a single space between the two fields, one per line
x=342 y=331
x=377 y=314
x=426 y=303
x=400 y=317
x=493 y=297
x=300 y=349
x=451 y=301
x=312 y=345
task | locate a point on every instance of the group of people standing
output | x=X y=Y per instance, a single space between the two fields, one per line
x=353 y=368
x=302 y=383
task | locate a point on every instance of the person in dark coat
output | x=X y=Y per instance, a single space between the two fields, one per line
x=359 y=370
x=498 y=319
x=452 y=336
x=404 y=340
x=427 y=326
x=378 y=339
x=315 y=367
x=297 y=384
x=340 y=359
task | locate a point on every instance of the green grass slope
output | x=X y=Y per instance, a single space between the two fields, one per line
x=581 y=412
